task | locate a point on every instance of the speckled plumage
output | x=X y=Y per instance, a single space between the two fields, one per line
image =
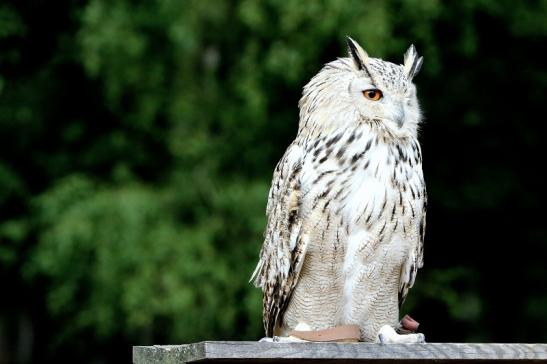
x=346 y=210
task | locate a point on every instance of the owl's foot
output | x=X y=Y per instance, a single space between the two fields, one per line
x=281 y=339
x=287 y=339
x=304 y=333
x=388 y=335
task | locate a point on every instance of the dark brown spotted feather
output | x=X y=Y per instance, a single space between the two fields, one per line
x=419 y=256
x=284 y=248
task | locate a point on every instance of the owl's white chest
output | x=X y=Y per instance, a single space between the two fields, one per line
x=382 y=215
x=363 y=220
x=365 y=182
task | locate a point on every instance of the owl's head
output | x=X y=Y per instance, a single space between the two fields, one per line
x=360 y=88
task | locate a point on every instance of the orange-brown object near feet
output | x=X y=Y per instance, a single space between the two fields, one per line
x=343 y=333
x=409 y=323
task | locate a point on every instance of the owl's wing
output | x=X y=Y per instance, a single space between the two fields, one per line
x=284 y=245
x=416 y=257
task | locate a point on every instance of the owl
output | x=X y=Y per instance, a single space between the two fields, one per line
x=346 y=209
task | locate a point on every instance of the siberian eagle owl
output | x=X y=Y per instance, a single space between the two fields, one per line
x=346 y=209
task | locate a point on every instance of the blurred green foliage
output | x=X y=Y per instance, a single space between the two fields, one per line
x=138 y=141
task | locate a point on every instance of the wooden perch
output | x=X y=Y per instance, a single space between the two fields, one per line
x=263 y=352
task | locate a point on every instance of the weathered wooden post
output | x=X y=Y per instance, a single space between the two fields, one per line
x=264 y=352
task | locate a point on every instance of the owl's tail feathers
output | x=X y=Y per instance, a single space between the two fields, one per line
x=255 y=277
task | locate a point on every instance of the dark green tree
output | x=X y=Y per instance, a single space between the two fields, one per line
x=138 y=141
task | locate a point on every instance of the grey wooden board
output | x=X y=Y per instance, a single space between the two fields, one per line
x=262 y=352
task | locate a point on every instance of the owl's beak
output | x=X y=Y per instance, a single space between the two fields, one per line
x=400 y=116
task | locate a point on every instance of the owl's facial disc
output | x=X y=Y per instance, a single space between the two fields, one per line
x=378 y=103
x=398 y=109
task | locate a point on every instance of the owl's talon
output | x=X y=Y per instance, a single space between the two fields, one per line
x=381 y=339
x=388 y=335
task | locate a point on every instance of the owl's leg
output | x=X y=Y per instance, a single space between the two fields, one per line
x=387 y=335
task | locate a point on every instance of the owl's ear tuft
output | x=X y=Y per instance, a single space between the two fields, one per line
x=359 y=57
x=357 y=54
x=412 y=63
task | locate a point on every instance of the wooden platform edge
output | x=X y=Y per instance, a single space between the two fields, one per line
x=261 y=352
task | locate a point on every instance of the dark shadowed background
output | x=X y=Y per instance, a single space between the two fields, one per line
x=138 y=140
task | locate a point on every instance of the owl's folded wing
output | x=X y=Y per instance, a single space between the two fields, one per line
x=284 y=245
x=416 y=257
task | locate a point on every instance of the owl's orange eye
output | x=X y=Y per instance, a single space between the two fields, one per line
x=373 y=94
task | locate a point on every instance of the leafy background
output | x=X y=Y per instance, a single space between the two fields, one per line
x=137 y=142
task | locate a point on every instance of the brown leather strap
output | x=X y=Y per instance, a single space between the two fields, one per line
x=343 y=333
x=408 y=323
